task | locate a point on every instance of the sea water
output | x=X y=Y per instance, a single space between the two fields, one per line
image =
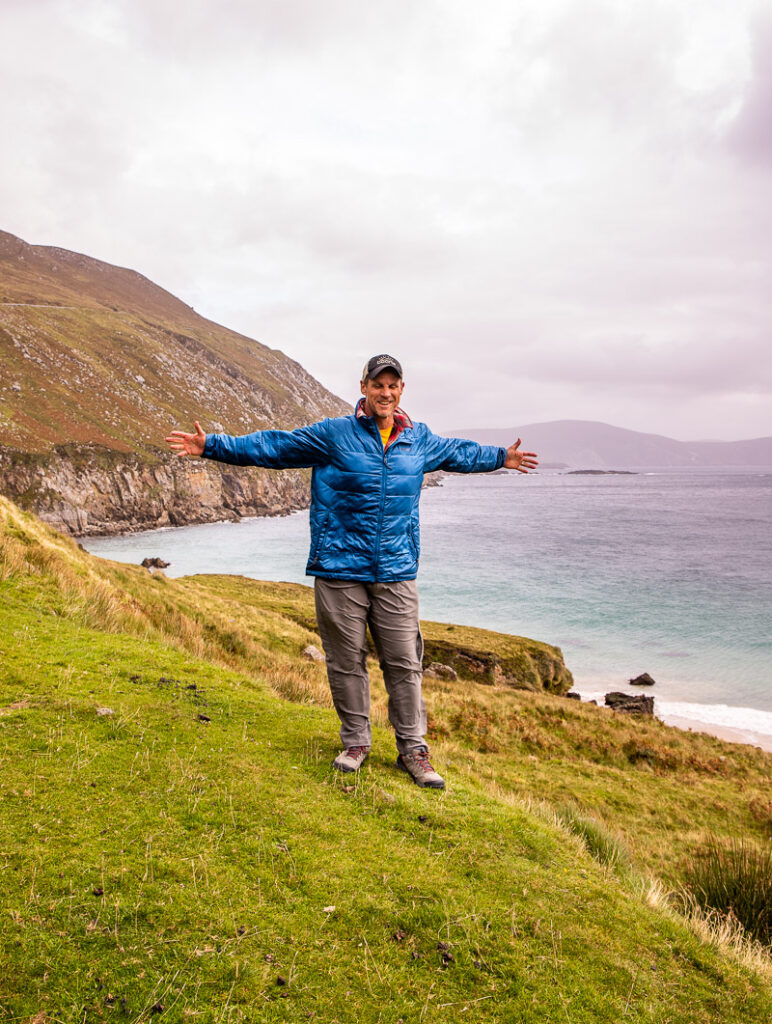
x=668 y=573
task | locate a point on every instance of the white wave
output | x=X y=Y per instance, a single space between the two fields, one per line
x=744 y=719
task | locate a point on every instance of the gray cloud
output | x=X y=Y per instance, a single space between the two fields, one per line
x=751 y=133
x=215 y=32
x=542 y=211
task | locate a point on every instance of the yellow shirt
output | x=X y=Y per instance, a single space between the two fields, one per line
x=385 y=435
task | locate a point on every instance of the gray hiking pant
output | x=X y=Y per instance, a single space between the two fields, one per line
x=344 y=610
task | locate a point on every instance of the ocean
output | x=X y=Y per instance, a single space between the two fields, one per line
x=666 y=572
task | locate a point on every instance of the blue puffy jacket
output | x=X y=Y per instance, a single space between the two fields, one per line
x=364 y=499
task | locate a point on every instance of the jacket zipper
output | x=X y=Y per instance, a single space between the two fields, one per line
x=382 y=506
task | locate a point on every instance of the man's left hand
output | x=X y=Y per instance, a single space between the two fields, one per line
x=523 y=462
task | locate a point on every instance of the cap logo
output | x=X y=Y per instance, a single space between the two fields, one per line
x=374 y=365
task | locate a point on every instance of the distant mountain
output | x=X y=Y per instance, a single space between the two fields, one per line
x=97 y=364
x=583 y=444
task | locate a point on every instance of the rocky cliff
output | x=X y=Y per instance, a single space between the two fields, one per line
x=97 y=364
x=89 y=491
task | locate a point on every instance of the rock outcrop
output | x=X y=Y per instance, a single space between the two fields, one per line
x=436 y=670
x=526 y=665
x=312 y=653
x=631 y=704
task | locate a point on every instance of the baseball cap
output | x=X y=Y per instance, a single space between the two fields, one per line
x=377 y=364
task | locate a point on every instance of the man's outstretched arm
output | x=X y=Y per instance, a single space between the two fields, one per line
x=455 y=455
x=273 y=449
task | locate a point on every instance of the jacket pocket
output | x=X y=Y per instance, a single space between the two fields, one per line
x=414 y=540
x=321 y=537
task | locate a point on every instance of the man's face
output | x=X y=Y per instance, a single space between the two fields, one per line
x=382 y=393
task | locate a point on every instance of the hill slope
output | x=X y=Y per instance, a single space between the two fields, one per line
x=97 y=364
x=583 y=444
x=175 y=845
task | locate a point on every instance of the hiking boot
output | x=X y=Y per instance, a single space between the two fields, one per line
x=351 y=759
x=419 y=768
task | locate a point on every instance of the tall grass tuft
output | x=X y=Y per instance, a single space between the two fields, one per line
x=607 y=848
x=734 y=878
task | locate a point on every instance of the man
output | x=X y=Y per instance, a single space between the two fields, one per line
x=368 y=469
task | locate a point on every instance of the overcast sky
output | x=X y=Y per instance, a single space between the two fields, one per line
x=547 y=209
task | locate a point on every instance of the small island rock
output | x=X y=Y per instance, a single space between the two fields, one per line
x=642 y=680
x=154 y=563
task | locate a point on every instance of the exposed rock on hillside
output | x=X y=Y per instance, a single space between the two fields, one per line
x=97 y=364
x=98 y=491
x=525 y=665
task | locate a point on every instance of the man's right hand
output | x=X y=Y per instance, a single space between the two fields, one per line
x=187 y=444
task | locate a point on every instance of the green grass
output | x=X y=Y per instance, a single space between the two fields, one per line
x=174 y=859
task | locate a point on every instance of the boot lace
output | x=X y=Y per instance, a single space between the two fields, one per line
x=355 y=751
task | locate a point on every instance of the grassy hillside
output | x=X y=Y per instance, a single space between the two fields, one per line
x=174 y=844
x=96 y=354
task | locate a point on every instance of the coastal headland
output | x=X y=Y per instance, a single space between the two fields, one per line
x=174 y=839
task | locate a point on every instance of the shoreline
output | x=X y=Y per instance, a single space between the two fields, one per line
x=728 y=733
x=697 y=718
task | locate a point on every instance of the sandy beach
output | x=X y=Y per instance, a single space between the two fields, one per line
x=723 y=732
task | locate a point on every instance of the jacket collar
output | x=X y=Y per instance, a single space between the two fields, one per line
x=401 y=420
